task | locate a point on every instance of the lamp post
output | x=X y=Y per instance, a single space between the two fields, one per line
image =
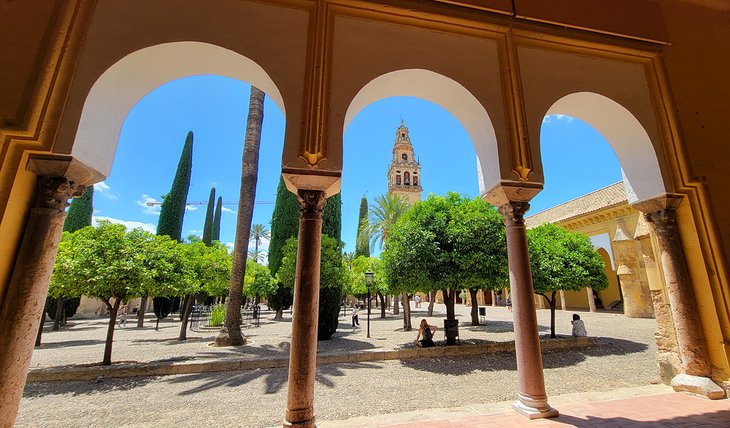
x=368 y=283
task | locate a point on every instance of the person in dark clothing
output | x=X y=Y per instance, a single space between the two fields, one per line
x=426 y=330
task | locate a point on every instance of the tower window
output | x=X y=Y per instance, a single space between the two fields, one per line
x=415 y=180
x=404 y=157
x=397 y=180
x=406 y=178
x=403 y=135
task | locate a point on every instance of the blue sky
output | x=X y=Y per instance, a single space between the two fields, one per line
x=215 y=109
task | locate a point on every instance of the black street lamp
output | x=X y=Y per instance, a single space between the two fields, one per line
x=369 y=283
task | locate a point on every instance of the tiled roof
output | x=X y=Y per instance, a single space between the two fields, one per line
x=591 y=202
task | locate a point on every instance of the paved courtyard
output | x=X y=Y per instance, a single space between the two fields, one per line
x=623 y=357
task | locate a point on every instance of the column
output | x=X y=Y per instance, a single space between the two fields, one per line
x=494 y=298
x=25 y=297
x=303 y=352
x=690 y=338
x=563 y=303
x=532 y=398
x=591 y=299
x=694 y=359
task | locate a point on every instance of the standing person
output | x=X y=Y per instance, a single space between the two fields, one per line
x=123 y=316
x=355 y=321
x=418 y=300
x=579 y=329
x=509 y=303
x=426 y=330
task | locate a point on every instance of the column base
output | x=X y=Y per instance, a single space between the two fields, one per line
x=697 y=385
x=534 y=409
x=303 y=424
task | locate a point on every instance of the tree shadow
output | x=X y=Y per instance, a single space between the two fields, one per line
x=88 y=387
x=553 y=358
x=70 y=343
x=275 y=379
x=341 y=343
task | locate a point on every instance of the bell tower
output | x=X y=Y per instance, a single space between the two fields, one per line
x=404 y=173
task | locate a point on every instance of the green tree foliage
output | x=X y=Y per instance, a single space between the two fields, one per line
x=80 y=211
x=113 y=265
x=362 y=241
x=562 y=260
x=69 y=306
x=216 y=234
x=162 y=307
x=208 y=226
x=447 y=243
x=332 y=218
x=332 y=278
x=379 y=288
x=284 y=225
x=172 y=211
x=258 y=280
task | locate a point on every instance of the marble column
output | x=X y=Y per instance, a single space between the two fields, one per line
x=25 y=296
x=303 y=352
x=532 y=398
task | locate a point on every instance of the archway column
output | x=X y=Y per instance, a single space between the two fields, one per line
x=591 y=299
x=512 y=201
x=303 y=351
x=662 y=214
x=25 y=296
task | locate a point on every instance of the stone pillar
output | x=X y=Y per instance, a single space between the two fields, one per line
x=303 y=352
x=690 y=338
x=563 y=303
x=532 y=398
x=25 y=296
x=591 y=299
x=494 y=299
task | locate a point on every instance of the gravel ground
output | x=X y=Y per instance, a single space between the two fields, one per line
x=624 y=355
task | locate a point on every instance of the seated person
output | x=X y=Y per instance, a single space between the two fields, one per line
x=579 y=329
x=427 y=331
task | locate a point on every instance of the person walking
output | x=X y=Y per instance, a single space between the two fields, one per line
x=123 y=316
x=418 y=300
x=355 y=321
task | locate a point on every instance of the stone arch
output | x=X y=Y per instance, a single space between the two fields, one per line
x=612 y=292
x=628 y=138
x=122 y=85
x=450 y=95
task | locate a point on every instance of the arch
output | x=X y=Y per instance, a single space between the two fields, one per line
x=450 y=95
x=406 y=178
x=632 y=145
x=126 y=82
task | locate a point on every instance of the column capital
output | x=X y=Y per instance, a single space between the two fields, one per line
x=54 y=192
x=661 y=212
x=311 y=202
x=513 y=213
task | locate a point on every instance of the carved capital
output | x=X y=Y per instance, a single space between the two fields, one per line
x=54 y=192
x=664 y=221
x=311 y=202
x=513 y=213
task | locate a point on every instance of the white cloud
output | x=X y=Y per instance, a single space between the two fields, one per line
x=105 y=190
x=128 y=224
x=227 y=210
x=230 y=245
x=550 y=118
x=149 y=209
x=191 y=208
x=263 y=245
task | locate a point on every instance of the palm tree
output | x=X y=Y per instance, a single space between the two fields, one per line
x=249 y=175
x=256 y=255
x=386 y=212
x=259 y=232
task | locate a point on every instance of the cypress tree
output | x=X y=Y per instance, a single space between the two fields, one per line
x=330 y=295
x=284 y=225
x=172 y=212
x=362 y=241
x=217 y=220
x=208 y=227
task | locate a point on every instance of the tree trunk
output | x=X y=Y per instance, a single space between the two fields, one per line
x=157 y=325
x=40 y=329
x=249 y=176
x=187 y=307
x=110 y=331
x=279 y=314
x=552 y=314
x=382 y=304
x=474 y=306
x=406 y=313
x=450 y=301
x=431 y=302
x=396 y=305
x=59 y=314
x=141 y=311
